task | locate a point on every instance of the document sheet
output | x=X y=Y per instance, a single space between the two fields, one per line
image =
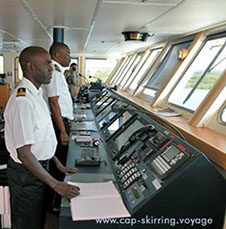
x=97 y=201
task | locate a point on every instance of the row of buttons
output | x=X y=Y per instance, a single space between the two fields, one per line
x=162 y=166
x=128 y=173
x=130 y=180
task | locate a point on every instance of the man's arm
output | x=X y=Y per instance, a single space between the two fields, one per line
x=62 y=168
x=30 y=161
x=56 y=112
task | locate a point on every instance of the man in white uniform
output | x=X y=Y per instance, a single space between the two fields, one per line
x=31 y=142
x=60 y=103
x=58 y=96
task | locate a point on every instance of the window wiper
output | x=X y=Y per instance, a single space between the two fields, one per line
x=204 y=73
x=216 y=64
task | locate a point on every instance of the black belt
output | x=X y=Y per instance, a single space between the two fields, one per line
x=65 y=119
x=45 y=162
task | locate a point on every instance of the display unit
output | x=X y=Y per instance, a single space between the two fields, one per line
x=106 y=119
x=116 y=124
x=105 y=111
x=103 y=105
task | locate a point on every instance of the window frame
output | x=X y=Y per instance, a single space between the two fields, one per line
x=120 y=70
x=207 y=38
x=139 y=55
x=147 y=71
x=162 y=61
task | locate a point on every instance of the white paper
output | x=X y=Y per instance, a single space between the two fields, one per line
x=168 y=112
x=1 y=201
x=97 y=201
x=6 y=200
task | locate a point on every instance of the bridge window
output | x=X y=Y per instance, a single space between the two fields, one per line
x=131 y=69
x=74 y=60
x=201 y=76
x=165 y=69
x=119 y=71
x=98 y=68
x=124 y=69
x=144 y=67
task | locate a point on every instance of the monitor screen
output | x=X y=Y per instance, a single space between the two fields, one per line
x=106 y=119
x=104 y=112
x=104 y=104
x=119 y=122
x=99 y=102
x=124 y=136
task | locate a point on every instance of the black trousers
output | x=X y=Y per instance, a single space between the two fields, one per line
x=27 y=197
x=54 y=199
x=61 y=150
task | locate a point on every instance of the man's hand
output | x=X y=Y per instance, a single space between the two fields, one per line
x=66 y=190
x=64 y=138
x=62 y=168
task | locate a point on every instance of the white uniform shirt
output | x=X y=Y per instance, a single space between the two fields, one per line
x=28 y=122
x=58 y=87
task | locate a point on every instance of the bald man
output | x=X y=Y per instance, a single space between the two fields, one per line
x=31 y=142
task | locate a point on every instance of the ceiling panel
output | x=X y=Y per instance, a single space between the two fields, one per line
x=117 y=16
x=28 y=22
x=75 y=40
x=70 y=13
x=190 y=16
x=17 y=24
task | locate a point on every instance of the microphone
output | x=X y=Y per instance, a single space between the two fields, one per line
x=86 y=81
x=98 y=80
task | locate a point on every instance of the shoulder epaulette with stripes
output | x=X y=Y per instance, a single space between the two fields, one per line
x=57 y=68
x=21 y=92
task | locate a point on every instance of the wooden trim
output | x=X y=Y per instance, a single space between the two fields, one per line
x=208 y=101
x=4 y=95
x=81 y=63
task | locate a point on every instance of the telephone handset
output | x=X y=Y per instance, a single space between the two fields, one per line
x=135 y=136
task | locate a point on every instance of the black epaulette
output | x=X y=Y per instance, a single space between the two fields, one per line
x=57 y=68
x=21 y=92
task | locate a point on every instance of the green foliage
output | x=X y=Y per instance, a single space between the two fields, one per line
x=207 y=82
x=100 y=74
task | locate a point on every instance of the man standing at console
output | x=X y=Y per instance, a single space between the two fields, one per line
x=60 y=103
x=31 y=142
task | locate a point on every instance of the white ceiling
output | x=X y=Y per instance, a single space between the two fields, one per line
x=95 y=26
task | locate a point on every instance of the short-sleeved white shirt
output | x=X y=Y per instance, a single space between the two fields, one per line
x=58 y=87
x=28 y=122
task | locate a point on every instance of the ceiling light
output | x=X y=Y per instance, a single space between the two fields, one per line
x=135 y=36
